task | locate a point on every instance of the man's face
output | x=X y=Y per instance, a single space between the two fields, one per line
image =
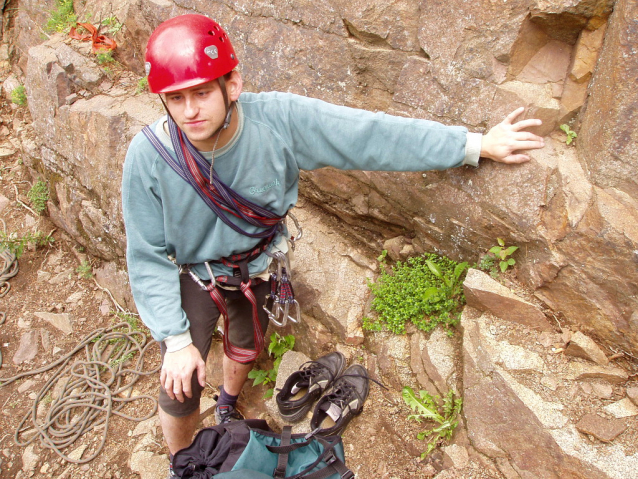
x=199 y=111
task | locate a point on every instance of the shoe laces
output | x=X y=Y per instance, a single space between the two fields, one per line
x=343 y=391
x=310 y=370
x=227 y=413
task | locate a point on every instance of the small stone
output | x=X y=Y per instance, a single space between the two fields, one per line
x=46 y=339
x=4 y=152
x=603 y=429
x=623 y=408
x=28 y=348
x=582 y=346
x=75 y=297
x=4 y=202
x=579 y=371
x=458 y=455
x=587 y=388
x=61 y=321
x=632 y=393
x=603 y=390
x=25 y=386
x=550 y=382
x=24 y=323
x=76 y=455
x=29 y=459
x=546 y=339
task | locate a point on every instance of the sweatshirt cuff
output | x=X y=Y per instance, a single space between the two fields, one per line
x=178 y=341
x=472 y=149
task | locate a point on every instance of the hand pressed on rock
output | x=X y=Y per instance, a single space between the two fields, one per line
x=503 y=141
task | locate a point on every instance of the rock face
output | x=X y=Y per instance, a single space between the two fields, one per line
x=571 y=210
x=575 y=217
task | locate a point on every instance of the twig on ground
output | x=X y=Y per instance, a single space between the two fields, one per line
x=117 y=305
x=22 y=204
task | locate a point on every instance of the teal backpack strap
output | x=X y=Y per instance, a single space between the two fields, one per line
x=282 y=459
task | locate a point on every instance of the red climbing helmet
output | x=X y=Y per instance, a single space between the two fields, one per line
x=186 y=51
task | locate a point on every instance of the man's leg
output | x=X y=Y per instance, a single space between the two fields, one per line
x=241 y=334
x=179 y=420
x=235 y=375
x=178 y=431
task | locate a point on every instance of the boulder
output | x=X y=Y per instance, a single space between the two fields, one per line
x=486 y=294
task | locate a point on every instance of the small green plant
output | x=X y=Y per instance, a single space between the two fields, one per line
x=113 y=25
x=571 y=135
x=278 y=346
x=38 y=196
x=104 y=56
x=19 y=95
x=122 y=359
x=142 y=85
x=500 y=254
x=85 y=270
x=429 y=408
x=62 y=18
x=128 y=318
x=425 y=290
x=16 y=244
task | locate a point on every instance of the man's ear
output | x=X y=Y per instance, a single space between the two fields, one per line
x=234 y=85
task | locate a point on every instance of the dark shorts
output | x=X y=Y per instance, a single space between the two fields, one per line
x=203 y=314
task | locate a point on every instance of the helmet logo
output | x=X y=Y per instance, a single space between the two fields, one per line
x=211 y=51
x=147 y=67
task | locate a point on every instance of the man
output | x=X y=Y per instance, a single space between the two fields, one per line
x=251 y=146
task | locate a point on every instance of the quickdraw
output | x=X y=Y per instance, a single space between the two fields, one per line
x=284 y=305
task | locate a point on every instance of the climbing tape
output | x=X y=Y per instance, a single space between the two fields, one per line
x=84 y=395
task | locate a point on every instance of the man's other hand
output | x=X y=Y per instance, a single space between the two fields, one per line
x=503 y=141
x=177 y=371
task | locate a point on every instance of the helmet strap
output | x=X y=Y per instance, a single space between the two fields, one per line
x=227 y=105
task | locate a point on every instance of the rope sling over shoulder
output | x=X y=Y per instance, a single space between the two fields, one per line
x=226 y=203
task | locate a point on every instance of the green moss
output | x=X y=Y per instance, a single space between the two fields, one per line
x=425 y=291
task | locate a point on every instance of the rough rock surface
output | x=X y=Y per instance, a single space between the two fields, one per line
x=572 y=211
x=486 y=61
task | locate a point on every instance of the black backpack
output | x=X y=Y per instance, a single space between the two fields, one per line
x=249 y=449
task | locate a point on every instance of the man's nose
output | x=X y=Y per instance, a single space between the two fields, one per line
x=190 y=108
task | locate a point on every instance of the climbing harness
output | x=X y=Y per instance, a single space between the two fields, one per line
x=239 y=263
x=91 y=390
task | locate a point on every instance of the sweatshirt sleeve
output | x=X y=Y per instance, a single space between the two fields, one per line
x=154 y=278
x=354 y=139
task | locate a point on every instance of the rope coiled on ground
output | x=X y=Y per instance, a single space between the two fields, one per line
x=95 y=389
x=8 y=270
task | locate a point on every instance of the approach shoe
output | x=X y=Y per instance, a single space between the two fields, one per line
x=305 y=386
x=226 y=413
x=341 y=403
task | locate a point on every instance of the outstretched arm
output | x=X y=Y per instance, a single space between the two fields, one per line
x=504 y=140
